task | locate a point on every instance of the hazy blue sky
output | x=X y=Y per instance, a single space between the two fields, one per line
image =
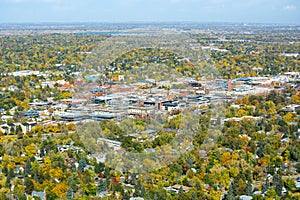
x=265 y=11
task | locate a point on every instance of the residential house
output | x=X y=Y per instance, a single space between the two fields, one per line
x=12 y=127
x=291 y=108
x=5 y=129
x=6 y=117
x=112 y=144
x=41 y=195
x=170 y=106
x=27 y=126
x=177 y=187
x=18 y=169
x=298 y=183
x=245 y=197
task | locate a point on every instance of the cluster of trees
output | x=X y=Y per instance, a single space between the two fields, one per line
x=244 y=154
x=55 y=55
x=252 y=54
x=42 y=52
x=29 y=88
x=144 y=56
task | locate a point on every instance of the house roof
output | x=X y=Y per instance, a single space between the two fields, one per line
x=177 y=187
x=114 y=181
x=41 y=195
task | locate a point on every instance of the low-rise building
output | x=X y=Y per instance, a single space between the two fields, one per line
x=291 y=108
x=112 y=144
x=30 y=113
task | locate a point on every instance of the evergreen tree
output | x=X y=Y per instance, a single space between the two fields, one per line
x=99 y=167
x=143 y=191
x=82 y=164
x=266 y=185
x=133 y=179
x=88 y=178
x=271 y=169
x=29 y=187
x=249 y=189
x=194 y=196
x=70 y=180
x=230 y=195
x=180 y=192
x=126 y=195
x=139 y=190
x=118 y=188
x=107 y=181
x=73 y=168
x=9 y=177
x=106 y=172
x=69 y=194
x=12 y=129
x=278 y=184
x=260 y=152
x=35 y=177
x=102 y=186
x=5 y=170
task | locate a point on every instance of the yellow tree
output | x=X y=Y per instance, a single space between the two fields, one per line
x=60 y=190
x=30 y=150
x=296 y=98
x=226 y=158
x=57 y=173
x=71 y=127
x=47 y=164
x=220 y=176
x=288 y=117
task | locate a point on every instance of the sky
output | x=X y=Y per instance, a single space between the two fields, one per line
x=240 y=11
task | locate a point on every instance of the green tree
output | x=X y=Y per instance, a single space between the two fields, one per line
x=102 y=186
x=278 y=184
x=157 y=194
x=249 y=189
x=139 y=190
x=185 y=181
x=194 y=196
x=230 y=195
x=99 y=167
x=28 y=167
x=29 y=187
x=73 y=167
x=180 y=191
x=9 y=177
x=82 y=164
x=126 y=195
x=69 y=194
x=19 y=193
x=266 y=185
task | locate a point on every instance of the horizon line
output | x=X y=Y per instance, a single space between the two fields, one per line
x=153 y=22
